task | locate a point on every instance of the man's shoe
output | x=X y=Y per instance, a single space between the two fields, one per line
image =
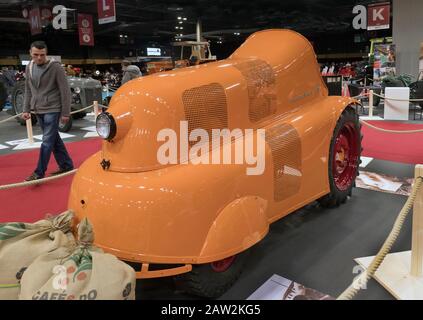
x=60 y=171
x=33 y=177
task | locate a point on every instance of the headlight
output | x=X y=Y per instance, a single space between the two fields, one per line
x=106 y=126
x=77 y=90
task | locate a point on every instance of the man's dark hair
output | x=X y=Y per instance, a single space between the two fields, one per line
x=39 y=45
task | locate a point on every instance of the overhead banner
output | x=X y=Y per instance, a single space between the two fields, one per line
x=35 y=21
x=46 y=13
x=106 y=11
x=378 y=16
x=86 y=29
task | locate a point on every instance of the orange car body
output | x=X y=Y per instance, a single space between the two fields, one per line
x=187 y=213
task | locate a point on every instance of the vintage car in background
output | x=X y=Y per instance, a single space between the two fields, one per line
x=197 y=222
x=3 y=94
x=84 y=92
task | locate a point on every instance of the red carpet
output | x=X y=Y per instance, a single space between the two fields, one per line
x=405 y=148
x=30 y=204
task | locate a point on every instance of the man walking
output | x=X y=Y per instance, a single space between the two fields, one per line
x=47 y=92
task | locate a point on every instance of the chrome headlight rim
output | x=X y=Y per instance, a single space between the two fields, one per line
x=112 y=125
x=77 y=90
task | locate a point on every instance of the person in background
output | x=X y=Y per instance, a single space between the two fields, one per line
x=47 y=92
x=130 y=71
x=70 y=71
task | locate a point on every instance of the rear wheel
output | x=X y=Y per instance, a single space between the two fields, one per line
x=344 y=159
x=3 y=95
x=18 y=95
x=79 y=115
x=211 y=280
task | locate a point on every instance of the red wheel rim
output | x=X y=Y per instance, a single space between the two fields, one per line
x=345 y=156
x=223 y=265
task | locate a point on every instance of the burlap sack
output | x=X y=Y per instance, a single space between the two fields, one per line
x=81 y=272
x=22 y=243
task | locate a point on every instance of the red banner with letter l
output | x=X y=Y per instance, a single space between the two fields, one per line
x=35 y=21
x=106 y=11
x=86 y=29
x=378 y=16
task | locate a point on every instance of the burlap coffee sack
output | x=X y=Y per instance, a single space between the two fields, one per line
x=82 y=272
x=22 y=243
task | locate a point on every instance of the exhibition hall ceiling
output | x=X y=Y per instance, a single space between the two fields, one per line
x=221 y=19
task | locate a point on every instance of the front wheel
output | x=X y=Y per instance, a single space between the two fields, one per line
x=211 y=280
x=344 y=159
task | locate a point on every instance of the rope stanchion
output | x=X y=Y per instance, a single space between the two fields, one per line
x=96 y=109
x=390 y=131
x=29 y=130
x=364 y=277
x=15 y=116
x=371 y=101
x=35 y=182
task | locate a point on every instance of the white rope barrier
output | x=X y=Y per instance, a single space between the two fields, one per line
x=390 y=131
x=36 y=182
x=80 y=110
x=360 y=96
x=392 y=99
x=15 y=116
x=73 y=112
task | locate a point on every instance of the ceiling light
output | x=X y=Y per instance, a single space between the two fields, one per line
x=182 y=28
x=176 y=27
x=179 y=18
x=175 y=8
x=185 y=19
x=180 y=22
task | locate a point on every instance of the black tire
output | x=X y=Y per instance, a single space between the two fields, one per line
x=3 y=95
x=204 y=281
x=65 y=127
x=79 y=115
x=349 y=121
x=18 y=94
x=376 y=101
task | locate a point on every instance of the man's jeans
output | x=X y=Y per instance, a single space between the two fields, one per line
x=52 y=142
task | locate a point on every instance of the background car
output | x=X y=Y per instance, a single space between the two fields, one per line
x=84 y=92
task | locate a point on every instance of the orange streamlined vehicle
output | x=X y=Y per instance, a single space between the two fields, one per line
x=197 y=221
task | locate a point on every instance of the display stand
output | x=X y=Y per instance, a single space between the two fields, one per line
x=397 y=109
x=401 y=273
